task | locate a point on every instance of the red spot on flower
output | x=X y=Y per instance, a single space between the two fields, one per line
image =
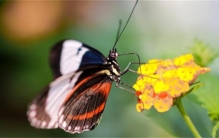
x=162 y=95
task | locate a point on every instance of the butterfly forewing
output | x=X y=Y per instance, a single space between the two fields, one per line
x=69 y=56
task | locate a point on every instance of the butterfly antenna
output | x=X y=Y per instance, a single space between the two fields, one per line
x=118 y=33
x=120 y=26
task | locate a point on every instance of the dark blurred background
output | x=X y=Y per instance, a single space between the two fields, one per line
x=28 y=29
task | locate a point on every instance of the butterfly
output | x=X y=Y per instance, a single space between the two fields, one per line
x=76 y=98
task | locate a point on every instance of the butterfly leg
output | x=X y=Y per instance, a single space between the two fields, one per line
x=131 y=63
x=125 y=71
x=123 y=88
x=127 y=68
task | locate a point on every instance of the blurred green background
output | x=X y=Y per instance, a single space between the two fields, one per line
x=157 y=29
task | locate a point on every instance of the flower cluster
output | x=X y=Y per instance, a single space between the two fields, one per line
x=161 y=81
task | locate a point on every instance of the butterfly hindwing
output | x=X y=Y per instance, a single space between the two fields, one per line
x=43 y=111
x=36 y=112
x=83 y=109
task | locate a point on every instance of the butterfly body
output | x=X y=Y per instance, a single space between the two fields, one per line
x=76 y=98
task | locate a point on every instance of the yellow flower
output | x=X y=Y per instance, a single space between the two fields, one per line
x=185 y=74
x=162 y=81
x=139 y=85
x=160 y=86
x=177 y=87
x=181 y=60
x=167 y=63
x=163 y=102
x=170 y=74
x=148 y=69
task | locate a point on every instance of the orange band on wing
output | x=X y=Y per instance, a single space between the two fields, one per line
x=76 y=87
x=89 y=114
x=104 y=88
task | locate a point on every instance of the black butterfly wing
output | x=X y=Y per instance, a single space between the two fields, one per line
x=69 y=56
x=68 y=59
x=43 y=111
x=84 y=106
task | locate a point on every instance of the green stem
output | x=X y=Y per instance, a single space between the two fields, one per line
x=186 y=118
x=214 y=130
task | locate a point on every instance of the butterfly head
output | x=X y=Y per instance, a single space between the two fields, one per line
x=113 y=55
